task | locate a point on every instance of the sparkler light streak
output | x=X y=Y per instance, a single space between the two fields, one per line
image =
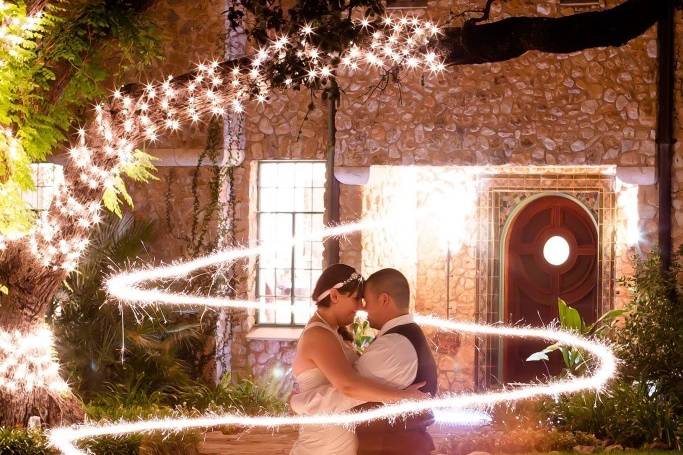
x=125 y=287
x=65 y=438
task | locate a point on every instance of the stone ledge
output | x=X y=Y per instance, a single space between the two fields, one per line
x=275 y=333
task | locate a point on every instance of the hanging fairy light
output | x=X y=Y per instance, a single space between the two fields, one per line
x=102 y=151
x=27 y=362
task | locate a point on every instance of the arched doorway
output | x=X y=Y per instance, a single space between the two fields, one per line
x=551 y=252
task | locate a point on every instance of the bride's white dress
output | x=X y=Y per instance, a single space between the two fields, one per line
x=323 y=439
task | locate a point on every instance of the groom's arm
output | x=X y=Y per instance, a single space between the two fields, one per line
x=391 y=360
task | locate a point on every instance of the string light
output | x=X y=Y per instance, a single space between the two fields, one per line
x=27 y=362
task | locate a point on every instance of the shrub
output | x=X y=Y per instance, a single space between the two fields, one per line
x=643 y=405
x=20 y=441
x=246 y=395
x=113 y=408
x=650 y=344
x=628 y=413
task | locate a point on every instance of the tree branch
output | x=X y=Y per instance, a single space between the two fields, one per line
x=485 y=13
x=512 y=37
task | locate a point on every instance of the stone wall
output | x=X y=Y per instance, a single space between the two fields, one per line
x=595 y=107
x=190 y=32
x=590 y=108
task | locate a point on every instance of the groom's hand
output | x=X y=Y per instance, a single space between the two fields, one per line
x=413 y=392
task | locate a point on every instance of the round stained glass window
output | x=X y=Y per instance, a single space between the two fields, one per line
x=556 y=250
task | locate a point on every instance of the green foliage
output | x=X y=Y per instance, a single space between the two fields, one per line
x=113 y=406
x=140 y=169
x=19 y=441
x=246 y=396
x=651 y=342
x=628 y=413
x=15 y=216
x=643 y=405
x=575 y=359
x=54 y=66
x=89 y=329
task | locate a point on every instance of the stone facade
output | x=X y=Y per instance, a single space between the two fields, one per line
x=545 y=123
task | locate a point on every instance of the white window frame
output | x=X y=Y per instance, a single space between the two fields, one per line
x=314 y=271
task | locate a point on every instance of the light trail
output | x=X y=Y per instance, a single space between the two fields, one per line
x=65 y=438
x=126 y=288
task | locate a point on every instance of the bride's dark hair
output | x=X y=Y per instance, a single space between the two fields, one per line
x=334 y=274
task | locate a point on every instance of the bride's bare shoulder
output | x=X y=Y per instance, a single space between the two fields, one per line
x=317 y=335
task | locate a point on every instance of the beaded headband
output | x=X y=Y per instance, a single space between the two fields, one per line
x=354 y=277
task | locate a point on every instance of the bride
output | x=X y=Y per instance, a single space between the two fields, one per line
x=324 y=358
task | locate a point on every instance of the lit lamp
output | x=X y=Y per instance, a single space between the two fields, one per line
x=47 y=178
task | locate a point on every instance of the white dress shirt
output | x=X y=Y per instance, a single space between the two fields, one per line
x=390 y=360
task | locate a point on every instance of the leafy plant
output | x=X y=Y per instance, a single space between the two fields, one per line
x=140 y=169
x=628 y=413
x=643 y=405
x=51 y=66
x=246 y=395
x=20 y=441
x=89 y=329
x=575 y=360
x=132 y=407
x=650 y=344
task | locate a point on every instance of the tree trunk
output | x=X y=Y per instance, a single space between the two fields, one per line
x=32 y=288
x=53 y=408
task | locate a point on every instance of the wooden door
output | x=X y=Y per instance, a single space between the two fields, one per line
x=551 y=251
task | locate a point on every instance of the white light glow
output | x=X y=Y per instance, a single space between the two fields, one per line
x=556 y=250
x=462 y=417
x=627 y=201
x=27 y=361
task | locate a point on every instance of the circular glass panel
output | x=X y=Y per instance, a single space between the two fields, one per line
x=556 y=250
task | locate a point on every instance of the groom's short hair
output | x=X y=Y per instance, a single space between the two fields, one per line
x=392 y=282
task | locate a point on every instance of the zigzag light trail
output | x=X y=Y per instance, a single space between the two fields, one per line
x=125 y=288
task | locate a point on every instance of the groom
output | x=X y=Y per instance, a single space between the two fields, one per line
x=399 y=356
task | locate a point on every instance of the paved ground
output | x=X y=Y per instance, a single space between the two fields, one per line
x=265 y=442
x=251 y=442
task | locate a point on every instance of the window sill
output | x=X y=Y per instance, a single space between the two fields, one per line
x=275 y=333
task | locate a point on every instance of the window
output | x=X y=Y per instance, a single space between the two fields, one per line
x=290 y=203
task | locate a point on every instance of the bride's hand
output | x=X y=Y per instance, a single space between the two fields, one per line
x=413 y=392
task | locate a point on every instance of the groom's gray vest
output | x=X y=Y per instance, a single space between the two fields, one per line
x=404 y=435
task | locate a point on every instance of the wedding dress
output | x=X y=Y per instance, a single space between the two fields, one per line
x=322 y=439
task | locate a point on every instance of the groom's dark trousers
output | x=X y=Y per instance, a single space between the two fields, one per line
x=406 y=435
